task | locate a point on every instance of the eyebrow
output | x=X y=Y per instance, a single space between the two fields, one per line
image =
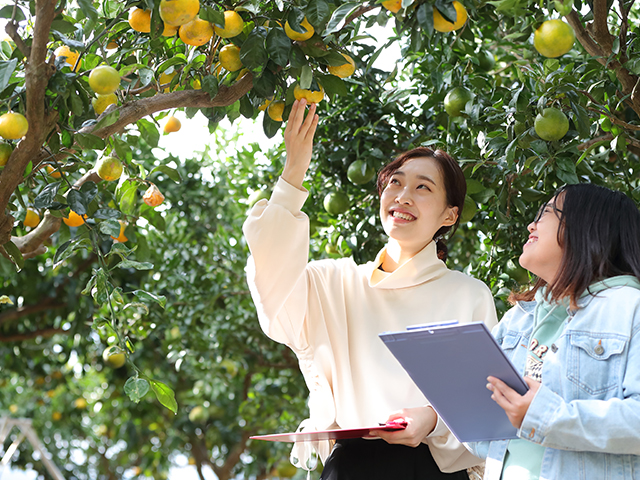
x=421 y=177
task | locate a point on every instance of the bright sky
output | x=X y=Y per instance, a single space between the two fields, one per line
x=192 y=138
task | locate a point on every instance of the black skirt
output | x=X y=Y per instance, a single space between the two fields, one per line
x=360 y=459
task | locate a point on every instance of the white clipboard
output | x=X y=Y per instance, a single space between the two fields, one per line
x=450 y=365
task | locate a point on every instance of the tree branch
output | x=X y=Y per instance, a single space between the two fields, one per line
x=584 y=38
x=20 y=312
x=12 y=30
x=47 y=332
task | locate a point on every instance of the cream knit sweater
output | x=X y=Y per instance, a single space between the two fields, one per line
x=329 y=312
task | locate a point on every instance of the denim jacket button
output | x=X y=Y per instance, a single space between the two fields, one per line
x=598 y=350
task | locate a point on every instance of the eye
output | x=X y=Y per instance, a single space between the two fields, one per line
x=394 y=181
x=424 y=186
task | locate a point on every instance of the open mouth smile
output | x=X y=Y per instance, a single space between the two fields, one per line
x=402 y=215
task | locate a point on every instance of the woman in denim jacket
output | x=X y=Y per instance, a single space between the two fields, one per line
x=576 y=337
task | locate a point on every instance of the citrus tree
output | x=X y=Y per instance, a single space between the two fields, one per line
x=121 y=250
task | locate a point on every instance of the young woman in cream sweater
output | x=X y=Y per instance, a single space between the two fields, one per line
x=330 y=312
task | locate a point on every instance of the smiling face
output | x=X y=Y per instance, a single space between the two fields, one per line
x=413 y=205
x=542 y=254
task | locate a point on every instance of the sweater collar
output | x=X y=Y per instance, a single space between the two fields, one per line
x=422 y=267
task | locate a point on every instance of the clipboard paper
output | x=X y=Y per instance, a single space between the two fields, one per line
x=335 y=434
x=450 y=365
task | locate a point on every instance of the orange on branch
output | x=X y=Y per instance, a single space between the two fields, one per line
x=5 y=153
x=13 y=126
x=165 y=79
x=312 y=96
x=101 y=102
x=345 y=70
x=393 y=6
x=74 y=219
x=197 y=32
x=275 y=111
x=553 y=38
x=71 y=57
x=54 y=172
x=230 y=57
x=178 y=12
x=109 y=168
x=169 y=30
x=300 y=37
x=233 y=25
x=31 y=219
x=140 y=20
x=172 y=125
x=442 y=25
x=153 y=196
x=122 y=239
x=104 y=79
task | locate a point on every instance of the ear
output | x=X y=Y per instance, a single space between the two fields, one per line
x=451 y=218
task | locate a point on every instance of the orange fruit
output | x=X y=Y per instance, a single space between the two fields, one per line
x=153 y=196
x=172 y=125
x=553 y=38
x=5 y=153
x=393 y=6
x=114 y=356
x=552 y=124
x=178 y=12
x=71 y=57
x=300 y=37
x=312 y=96
x=121 y=238
x=196 y=84
x=165 y=79
x=112 y=45
x=31 y=219
x=456 y=100
x=104 y=79
x=275 y=110
x=336 y=203
x=56 y=416
x=197 y=32
x=264 y=105
x=140 y=20
x=357 y=176
x=54 y=172
x=109 y=168
x=74 y=219
x=13 y=126
x=230 y=57
x=442 y=25
x=101 y=102
x=169 y=30
x=233 y=25
x=345 y=70
x=80 y=403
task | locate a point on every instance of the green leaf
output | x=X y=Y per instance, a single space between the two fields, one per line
x=14 y=253
x=317 y=12
x=270 y=126
x=265 y=85
x=339 y=15
x=211 y=15
x=120 y=249
x=110 y=227
x=424 y=15
x=76 y=202
x=172 y=173
x=253 y=53
x=448 y=11
x=136 y=388
x=165 y=395
x=6 y=69
x=89 y=141
x=106 y=213
x=144 y=295
x=46 y=198
x=141 y=306
x=68 y=248
x=149 y=132
x=210 y=85
x=128 y=199
x=278 y=46
x=136 y=265
x=106 y=120
x=146 y=76
x=88 y=9
x=116 y=296
x=101 y=292
x=334 y=86
x=306 y=77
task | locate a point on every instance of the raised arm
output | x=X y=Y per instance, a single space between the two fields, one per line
x=298 y=139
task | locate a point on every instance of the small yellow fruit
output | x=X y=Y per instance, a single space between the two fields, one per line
x=140 y=20
x=264 y=105
x=114 y=356
x=13 y=126
x=53 y=172
x=172 y=125
x=553 y=38
x=71 y=57
x=275 y=110
x=112 y=45
x=122 y=238
x=169 y=30
x=109 y=168
x=101 y=102
x=233 y=25
x=312 y=96
x=13 y=408
x=393 y=6
x=442 y=25
x=5 y=153
x=31 y=219
x=230 y=57
x=56 y=416
x=178 y=12
x=345 y=70
x=196 y=84
x=104 y=79
x=300 y=37
x=80 y=403
x=153 y=196
x=197 y=32
x=165 y=79
x=74 y=219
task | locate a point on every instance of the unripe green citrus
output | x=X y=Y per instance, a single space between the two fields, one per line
x=551 y=124
x=336 y=203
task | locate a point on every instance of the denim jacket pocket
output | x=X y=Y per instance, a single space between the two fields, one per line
x=594 y=361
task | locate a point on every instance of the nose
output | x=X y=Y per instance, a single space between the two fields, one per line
x=404 y=197
x=531 y=227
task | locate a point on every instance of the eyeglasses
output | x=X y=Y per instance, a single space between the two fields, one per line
x=547 y=208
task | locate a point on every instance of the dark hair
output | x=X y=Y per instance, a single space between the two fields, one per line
x=455 y=185
x=600 y=237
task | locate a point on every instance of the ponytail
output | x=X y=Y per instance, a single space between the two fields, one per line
x=442 y=250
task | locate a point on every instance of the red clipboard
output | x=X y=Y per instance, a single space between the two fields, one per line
x=335 y=434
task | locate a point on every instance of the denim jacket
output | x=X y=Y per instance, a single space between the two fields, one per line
x=587 y=410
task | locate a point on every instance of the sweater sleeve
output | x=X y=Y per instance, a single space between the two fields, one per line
x=277 y=233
